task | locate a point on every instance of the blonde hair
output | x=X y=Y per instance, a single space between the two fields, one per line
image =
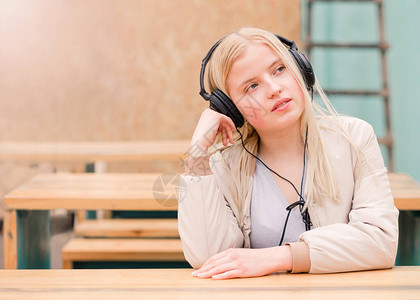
x=320 y=176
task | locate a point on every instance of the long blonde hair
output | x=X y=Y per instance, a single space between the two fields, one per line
x=320 y=176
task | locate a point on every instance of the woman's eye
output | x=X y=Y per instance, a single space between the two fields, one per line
x=279 y=69
x=251 y=87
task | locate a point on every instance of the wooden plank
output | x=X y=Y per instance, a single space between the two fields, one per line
x=128 y=228
x=10 y=239
x=397 y=283
x=80 y=249
x=97 y=191
x=405 y=190
x=404 y=277
x=166 y=150
x=136 y=192
x=138 y=202
x=248 y=293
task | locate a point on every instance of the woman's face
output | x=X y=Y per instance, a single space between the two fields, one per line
x=264 y=90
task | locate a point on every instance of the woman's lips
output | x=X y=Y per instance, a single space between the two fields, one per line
x=284 y=103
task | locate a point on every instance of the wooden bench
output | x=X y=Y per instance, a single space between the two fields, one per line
x=119 y=240
x=136 y=151
x=86 y=249
x=128 y=228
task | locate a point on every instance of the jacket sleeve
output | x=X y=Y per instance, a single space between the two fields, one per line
x=369 y=240
x=206 y=223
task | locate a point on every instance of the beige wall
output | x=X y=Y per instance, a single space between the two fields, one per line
x=98 y=70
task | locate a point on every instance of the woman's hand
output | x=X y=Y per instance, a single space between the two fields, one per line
x=239 y=262
x=211 y=123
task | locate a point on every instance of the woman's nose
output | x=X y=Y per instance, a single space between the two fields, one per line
x=274 y=88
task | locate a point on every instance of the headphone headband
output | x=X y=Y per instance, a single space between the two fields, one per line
x=204 y=62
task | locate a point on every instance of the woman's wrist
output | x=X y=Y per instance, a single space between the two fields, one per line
x=279 y=258
x=284 y=258
x=197 y=150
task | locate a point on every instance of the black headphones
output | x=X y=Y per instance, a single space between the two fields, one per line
x=221 y=103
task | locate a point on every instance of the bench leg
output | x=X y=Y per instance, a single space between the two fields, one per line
x=9 y=238
x=67 y=264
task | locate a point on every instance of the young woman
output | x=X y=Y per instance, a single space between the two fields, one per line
x=294 y=187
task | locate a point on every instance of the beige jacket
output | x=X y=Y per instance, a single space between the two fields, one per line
x=359 y=233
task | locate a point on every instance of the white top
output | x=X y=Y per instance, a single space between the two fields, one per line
x=268 y=212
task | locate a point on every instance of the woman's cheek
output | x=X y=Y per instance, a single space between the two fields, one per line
x=255 y=117
x=251 y=108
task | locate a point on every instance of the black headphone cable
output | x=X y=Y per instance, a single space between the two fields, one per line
x=301 y=202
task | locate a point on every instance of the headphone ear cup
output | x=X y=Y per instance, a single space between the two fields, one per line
x=223 y=104
x=305 y=67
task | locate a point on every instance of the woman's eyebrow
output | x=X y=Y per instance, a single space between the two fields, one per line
x=252 y=78
x=274 y=63
x=246 y=81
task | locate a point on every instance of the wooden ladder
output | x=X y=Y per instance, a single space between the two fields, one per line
x=381 y=45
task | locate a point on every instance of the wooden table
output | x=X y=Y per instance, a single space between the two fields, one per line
x=26 y=208
x=96 y=155
x=406 y=191
x=117 y=191
x=110 y=191
x=397 y=283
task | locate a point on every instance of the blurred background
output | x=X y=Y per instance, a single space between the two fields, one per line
x=109 y=71
x=361 y=69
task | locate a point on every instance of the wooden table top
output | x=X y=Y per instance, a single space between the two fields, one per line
x=139 y=192
x=134 y=191
x=406 y=191
x=94 y=151
x=400 y=282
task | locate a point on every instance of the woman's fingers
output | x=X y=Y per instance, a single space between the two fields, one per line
x=209 y=261
x=230 y=136
x=224 y=132
x=229 y=274
x=219 y=269
x=215 y=260
x=229 y=128
x=222 y=124
x=230 y=123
